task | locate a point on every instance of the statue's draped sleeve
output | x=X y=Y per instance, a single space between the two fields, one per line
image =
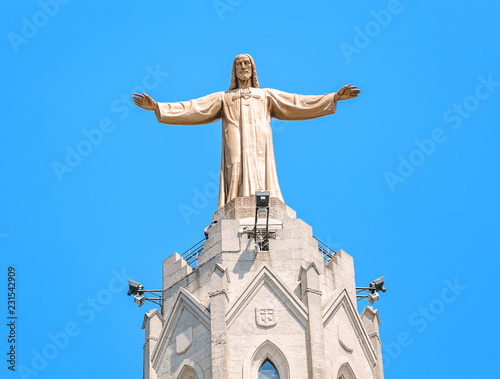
x=205 y=110
x=290 y=106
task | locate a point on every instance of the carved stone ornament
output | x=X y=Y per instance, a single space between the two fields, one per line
x=345 y=340
x=184 y=341
x=266 y=317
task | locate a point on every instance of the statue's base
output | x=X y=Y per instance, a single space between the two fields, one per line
x=244 y=207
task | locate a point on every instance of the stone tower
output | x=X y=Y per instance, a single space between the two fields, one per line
x=228 y=308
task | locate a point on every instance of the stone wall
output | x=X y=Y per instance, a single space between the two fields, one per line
x=242 y=306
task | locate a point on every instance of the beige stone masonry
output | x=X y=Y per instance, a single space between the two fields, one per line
x=371 y=322
x=242 y=306
x=152 y=325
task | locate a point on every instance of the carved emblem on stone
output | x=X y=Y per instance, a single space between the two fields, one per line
x=346 y=339
x=184 y=341
x=265 y=317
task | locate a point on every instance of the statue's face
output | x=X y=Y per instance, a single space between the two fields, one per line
x=243 y=68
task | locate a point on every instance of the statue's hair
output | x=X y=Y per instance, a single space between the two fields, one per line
x=234 y=79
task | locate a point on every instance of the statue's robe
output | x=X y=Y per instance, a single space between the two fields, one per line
x=247 y=162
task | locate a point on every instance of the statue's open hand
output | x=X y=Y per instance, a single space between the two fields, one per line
x=144 y=101
x=347 y=92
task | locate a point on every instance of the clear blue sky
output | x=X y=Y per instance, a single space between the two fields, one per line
x=405 y=178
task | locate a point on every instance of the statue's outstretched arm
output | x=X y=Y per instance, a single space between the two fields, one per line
x=289 y=106
x=204 y=110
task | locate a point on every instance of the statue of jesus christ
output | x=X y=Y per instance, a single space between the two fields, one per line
x=247 y=162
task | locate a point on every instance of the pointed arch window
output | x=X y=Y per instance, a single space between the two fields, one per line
x=268 y=371
x=256 y=366
x=188 y=373
x=346 y=372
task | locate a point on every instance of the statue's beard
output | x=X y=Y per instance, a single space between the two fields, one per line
x=244 y=76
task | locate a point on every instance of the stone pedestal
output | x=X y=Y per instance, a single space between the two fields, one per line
x=241 y=307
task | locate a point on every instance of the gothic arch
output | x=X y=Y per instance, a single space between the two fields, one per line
x=189 y=369
x=188 y=373
x=345 y=372
x=266 y=351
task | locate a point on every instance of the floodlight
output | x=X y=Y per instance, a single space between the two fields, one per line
x=137 y=289
x=134 y=287
x=373 y=297
x=377 y=285
x=139 y=300
x=371 y=292
x=262 y=199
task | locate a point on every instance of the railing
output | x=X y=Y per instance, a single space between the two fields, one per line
x=191 y=255
x=327 y=252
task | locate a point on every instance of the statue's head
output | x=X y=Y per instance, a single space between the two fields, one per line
x=243 y=69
